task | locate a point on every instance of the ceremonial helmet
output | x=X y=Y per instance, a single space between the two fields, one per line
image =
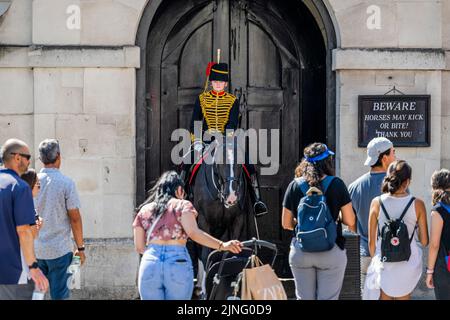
x=219 y=72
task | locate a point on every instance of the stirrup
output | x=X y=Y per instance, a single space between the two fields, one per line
x=260 y=209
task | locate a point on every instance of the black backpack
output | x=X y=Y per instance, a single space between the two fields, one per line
x=395 y=240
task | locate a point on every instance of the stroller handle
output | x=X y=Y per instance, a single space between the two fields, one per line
x=262 y=243
x=254 y=243
x=247 y=245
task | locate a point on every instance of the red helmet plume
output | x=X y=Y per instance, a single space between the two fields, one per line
x=208 y=68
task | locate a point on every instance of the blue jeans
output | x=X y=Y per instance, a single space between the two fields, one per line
x=56 y=272
x=166 y=273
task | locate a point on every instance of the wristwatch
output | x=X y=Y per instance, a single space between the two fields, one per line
x=34 y=265
x=81 y=248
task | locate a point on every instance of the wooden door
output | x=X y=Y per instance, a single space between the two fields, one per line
x=265 y=75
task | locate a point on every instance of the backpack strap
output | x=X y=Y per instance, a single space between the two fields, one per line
x=443 y=209
x=406 y=208
x=401 y=217
x=412 y=236
x=403 y=214
x=304 y=186
x=326 y=183
x=383 y=208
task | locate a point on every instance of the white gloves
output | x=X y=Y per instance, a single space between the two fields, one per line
x=198 y=146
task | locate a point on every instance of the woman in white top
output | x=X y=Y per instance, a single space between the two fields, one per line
x=398 y=279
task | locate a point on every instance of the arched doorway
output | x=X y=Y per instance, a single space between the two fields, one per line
x=279 y=54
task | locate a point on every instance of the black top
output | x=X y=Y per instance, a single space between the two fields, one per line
x=445 y=236
x=337 y=196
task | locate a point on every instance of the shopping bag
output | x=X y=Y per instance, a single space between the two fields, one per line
x=261 y=283
x=371 y=289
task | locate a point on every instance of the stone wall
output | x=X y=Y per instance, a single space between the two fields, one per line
x=103 y=22
x=111 y=272
x=401 y=26
x=423 y=160
x=79 y=86
x=445 y=124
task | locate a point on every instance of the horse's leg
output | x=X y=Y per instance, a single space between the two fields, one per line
x=203 y=253
x=200 y=272
x=237 y=227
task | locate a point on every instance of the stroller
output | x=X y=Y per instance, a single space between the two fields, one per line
x=224 y=269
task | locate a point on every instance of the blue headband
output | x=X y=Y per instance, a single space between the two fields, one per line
x=321 y=156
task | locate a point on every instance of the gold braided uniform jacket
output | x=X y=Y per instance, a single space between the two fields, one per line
x=217 y=111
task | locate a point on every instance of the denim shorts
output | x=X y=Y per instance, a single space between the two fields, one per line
x=166 y=273
x=56 y=272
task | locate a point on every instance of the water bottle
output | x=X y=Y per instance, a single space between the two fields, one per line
x=73 y=282
x=37 y=294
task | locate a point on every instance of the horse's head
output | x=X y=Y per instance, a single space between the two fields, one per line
x=228 y=171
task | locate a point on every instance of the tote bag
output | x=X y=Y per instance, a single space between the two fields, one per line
x=261 y=283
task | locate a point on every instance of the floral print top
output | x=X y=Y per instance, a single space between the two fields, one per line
x=169 y=225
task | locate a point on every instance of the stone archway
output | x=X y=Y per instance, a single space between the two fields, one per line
x=324 y=20
x=177 y=39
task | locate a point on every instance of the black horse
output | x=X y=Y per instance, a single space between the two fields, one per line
x=220 y=195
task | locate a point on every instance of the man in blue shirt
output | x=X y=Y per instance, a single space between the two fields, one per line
x=380 y=154
x=17 y=218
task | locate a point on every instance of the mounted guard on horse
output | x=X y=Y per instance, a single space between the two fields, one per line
x=218 y=112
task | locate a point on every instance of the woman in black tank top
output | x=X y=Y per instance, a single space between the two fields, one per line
x=438 y=270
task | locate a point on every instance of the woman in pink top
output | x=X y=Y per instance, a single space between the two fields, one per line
x=162 y=226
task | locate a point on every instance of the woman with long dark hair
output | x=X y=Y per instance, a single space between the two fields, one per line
x=438 y=270
x=398 y=279
x=162 y=226
x=31 y=178
x=318 y=275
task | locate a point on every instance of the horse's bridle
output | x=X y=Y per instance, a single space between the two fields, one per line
x=219 y=186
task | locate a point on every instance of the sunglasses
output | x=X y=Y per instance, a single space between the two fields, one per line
x=26 y=156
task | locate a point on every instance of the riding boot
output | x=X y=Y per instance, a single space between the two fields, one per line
x=259 y=207
x=185 y=175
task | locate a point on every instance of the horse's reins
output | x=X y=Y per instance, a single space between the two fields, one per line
x=229 y=179
x=219 y=190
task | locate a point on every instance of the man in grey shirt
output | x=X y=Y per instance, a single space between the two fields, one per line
x=380 y=154
x=58 y=204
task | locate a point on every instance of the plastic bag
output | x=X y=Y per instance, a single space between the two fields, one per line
x=371 y=289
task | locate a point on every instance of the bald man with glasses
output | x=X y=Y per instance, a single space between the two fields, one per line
x=18 y=262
